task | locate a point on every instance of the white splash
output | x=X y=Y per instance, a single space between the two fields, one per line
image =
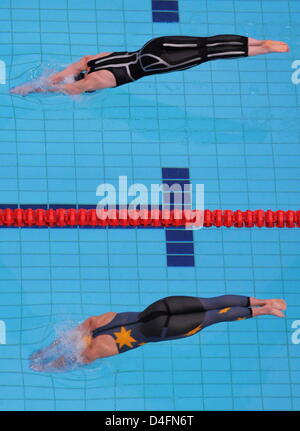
x=38 y=80
x=64 y=354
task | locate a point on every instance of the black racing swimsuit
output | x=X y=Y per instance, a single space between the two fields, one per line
x=168 y=54
x=172 y=318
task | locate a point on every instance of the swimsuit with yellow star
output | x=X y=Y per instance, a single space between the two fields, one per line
x=172 y=318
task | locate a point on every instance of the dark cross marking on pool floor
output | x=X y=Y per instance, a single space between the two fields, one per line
x=165 y=11
x=180 y=242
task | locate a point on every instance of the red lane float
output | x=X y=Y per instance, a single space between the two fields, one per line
x=82 y=217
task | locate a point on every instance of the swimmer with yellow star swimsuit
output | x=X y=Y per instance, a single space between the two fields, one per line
x=167 y=319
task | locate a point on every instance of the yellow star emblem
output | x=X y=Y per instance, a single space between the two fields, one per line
x=124 y=338
x=224 y=310
x=193 y=331
x=241 y=318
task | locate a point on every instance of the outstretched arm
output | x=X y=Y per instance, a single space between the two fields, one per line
x=74 y=68
x=87 y=84
x=77 y=87
x=39 y=353
x=83 y=328
x=52 y=83
x=52 y=80
x=84 y=351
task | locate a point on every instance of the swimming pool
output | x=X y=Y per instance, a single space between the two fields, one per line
x=234 y=125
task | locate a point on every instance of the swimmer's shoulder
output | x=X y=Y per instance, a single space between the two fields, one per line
x=83 y=61
x=95 y=57
x=101 y=320
x=101 y=79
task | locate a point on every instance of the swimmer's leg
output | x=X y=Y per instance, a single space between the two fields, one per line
x=223 y=46
x=179 y=316
x=202 y=312
x=175 y=316
x=231 y=46
x=232 y=305
x=218 y=302
x=226 y=314
x=190 y=304
x=228 y=308
x=235 y=313
x=182 y=52
x=183 y=305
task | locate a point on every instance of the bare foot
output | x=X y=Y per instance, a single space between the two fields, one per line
x=267 y=309
x=274 y=46
x=279 y=304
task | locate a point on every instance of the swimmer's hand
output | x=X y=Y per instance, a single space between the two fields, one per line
x=41 y=352
x=36 y=366
x=60 y=364
x=23 y=90
x=36 y=355
x=74 y=88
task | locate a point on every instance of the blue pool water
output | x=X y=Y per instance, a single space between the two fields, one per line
x=234 y=124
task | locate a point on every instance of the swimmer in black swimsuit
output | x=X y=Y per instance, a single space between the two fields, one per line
x=159 y=55
x=167 y=319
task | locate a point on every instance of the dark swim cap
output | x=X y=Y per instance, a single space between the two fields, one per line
x=81 y=76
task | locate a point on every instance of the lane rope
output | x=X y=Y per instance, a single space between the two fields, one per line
x=81 y=217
